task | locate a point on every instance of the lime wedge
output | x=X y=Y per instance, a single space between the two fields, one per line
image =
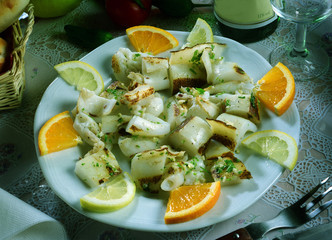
x=275 y=145
x=201 y=33
x=81 y=75
x=113 y=195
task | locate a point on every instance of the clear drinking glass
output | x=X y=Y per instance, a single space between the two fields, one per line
x=306 y=61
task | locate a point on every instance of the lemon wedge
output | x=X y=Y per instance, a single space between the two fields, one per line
x=274 y=144
x=115 y=194
x=81 y=75
x=201 y=33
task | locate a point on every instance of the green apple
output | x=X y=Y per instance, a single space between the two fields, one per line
x=53 y=8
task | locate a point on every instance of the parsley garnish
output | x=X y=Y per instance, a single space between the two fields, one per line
x=193 y=71
x=253 y=100
x=227 y=102
x=200 y=90
x=196 y=58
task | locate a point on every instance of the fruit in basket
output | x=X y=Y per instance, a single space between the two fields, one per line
x=3 y=50
x=10 y=10
x=127 y=13
x=276 y=89
x=53 y=8
x=189 y=202
x=58 y=134
x=151 y=39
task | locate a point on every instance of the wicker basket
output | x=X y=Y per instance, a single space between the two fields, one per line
x=12 y=82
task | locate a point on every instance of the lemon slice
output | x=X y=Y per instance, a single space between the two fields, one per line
x=81 y=75
x=275 y=145
x=201 y=33
x=113 y=195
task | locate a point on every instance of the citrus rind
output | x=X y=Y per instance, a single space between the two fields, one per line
x=81 y=74
x=70 y=134
x=275 y=145
x=196 y=210
x=201 y=33
x=149 y=39
x=120 y=192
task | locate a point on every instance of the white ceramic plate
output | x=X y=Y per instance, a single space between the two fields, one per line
x=146 y=212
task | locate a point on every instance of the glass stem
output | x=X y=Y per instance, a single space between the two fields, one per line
x=299 y=48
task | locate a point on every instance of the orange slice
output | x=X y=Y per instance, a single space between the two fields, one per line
x=189 y=202
x=148 y=39
x=276 y=90
x=58 y=134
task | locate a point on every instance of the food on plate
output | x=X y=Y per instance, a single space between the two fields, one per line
x=3 y=53
x=230 y=129
x=172 y=137
x=81 y=75
x=87 y=128
x=231 y=87
x=220 y=71
x=93 y=104
x=200 y=33
x=189 y=202
x=155 y=73
x=148 y=39
x=215 y=149
x=58 y=134
x=97 y=166
x=147 y=126
x=187 y=67
x=227 y=169
x=179 y=133
x=113 y=195
x=125 y=62
x=148 y=168
x=127 y=13
x=10 y=10
x=184 y=173
x=243 y=105
x=276 y=89
x=275 y=145
x=191 y=135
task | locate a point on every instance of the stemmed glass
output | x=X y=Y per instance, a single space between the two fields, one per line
x=306 y=61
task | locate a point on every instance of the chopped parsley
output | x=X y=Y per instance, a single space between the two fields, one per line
x=196 y=59
x=180 y=166
x=229 y=166
x=200 y=90
x=227 y=102
x=192 y=70
x=211 y=55
x=253 y=100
